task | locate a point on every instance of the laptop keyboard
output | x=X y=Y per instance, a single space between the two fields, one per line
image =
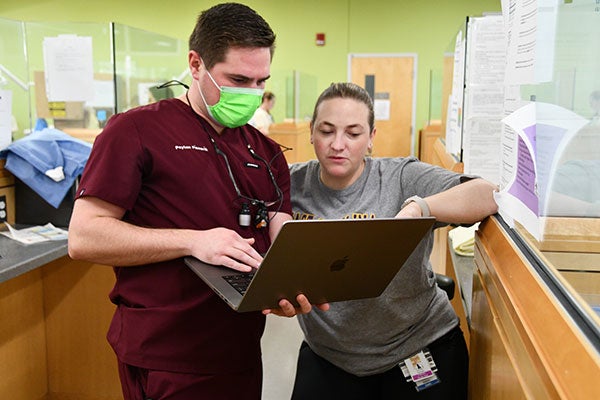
x=239 y=282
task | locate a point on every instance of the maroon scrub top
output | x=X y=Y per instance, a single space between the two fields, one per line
x=158 y=163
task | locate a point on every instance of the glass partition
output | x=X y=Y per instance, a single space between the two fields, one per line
x=568 y=116
x=117 y=66
x=436 y=88
x=14 y=82
x=551 y=153
x=296 y=93
x=547 y=83
x=48 y=47
x=306 y=97
x=452 y=92
x=127 y=64
x=144 y=60
x=567 y=152
x=281 y=84
x=445 y=100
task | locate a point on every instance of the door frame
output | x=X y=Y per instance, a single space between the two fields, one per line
x=415 y=58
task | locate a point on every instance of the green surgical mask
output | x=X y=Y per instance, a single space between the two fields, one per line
x=236 y=105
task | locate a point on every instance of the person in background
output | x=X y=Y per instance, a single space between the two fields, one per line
x=262 y=118
x=358 y=349
x=168 y=180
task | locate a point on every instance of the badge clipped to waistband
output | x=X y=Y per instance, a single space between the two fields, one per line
x=420 y=369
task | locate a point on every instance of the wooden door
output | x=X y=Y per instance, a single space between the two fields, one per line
x=390 y=79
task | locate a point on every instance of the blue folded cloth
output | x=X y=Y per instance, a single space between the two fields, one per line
x=40 y=124
x=48 y=161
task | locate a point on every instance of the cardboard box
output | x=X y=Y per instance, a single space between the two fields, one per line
x=7 y=195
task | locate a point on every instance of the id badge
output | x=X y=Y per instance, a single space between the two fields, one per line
x=420 y=369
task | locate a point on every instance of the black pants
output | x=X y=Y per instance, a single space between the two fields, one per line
x=316 y=378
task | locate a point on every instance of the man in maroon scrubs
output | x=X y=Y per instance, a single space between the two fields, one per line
x=169 y=180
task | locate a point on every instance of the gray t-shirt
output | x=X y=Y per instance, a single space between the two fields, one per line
x=370 y=336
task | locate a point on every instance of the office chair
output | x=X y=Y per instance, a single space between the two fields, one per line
x=446 y=284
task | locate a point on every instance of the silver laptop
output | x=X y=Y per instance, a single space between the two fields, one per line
x=327 y=260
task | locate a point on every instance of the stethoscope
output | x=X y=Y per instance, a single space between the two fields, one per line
x=261 y=218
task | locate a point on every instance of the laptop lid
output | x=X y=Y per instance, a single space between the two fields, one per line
x=327 y=260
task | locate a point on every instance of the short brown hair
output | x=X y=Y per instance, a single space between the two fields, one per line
x=229 y=25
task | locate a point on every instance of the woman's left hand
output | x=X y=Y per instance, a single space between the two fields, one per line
x=287 y=309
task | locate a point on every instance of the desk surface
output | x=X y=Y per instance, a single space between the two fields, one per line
x=17 y=259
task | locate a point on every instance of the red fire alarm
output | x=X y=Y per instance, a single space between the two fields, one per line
x=320 y=40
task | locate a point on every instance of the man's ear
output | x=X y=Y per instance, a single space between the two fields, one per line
x=194 y=62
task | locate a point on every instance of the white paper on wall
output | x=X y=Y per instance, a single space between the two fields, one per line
x=68 y=68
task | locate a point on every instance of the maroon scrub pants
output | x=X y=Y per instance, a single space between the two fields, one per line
x=143 y=384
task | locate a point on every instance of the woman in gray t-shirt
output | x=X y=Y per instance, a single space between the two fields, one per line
x=358 y=349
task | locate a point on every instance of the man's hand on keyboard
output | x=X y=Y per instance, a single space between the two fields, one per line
x=222 y=246
x=287 y=309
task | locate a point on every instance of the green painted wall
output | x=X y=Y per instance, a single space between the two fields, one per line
x=351 y=26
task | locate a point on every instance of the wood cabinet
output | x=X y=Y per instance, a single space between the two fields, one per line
x=87 y=135
x=296 y=137
x=427 y=137
x=53 y=334
x=525 y=344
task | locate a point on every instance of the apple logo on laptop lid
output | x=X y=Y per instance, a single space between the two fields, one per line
x=339 y=264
